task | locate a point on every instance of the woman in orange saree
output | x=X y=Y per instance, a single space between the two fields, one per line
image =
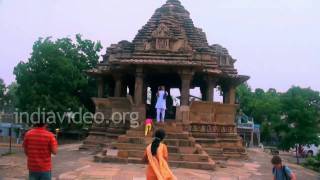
x=156 y=154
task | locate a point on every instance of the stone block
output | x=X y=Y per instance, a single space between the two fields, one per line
x=187 y=150
x=185 y=143
x=112 y=159
x=123 y=139
x=123 y=154
x=194 y=158
x=185 y=114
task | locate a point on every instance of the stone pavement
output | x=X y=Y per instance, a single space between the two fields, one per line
x=4 y=148
x=73 y=164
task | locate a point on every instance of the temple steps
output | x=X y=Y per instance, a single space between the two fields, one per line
x=146 y=141
x=179 y=142
x=101 y=137
x=133 y=143
x=170 y=126
x=226 y=153
x=142 y=147
x=214 y=151
x=183 y=150
x=234 y=150
x=98 y=136
x=217 y=140
x=95 y=142
x=169 y=135
x=179 y=164
x=221 y=146
x=171 y=149
x=88 y=147
x=235 y=153
x=215 y=135
x=109 y=130
x=172 y=156
x=93 y=145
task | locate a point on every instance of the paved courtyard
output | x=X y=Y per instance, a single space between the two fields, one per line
x=73 y=164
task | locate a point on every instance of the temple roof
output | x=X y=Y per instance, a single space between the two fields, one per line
x=178 y=20
x=170 y=38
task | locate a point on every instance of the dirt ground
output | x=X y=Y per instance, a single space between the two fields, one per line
x=73 y=164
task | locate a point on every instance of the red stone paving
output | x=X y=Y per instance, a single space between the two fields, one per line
x=73 y=164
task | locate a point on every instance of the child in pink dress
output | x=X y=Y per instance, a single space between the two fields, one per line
x=148 y=125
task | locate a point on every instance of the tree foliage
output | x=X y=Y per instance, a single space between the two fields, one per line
x=264 y=107
x=54 y=77
x=300 y=122
x=284 y=117
x=2 y=92
x=10 y=98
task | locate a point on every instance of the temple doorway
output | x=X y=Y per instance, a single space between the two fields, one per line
x=172 y=82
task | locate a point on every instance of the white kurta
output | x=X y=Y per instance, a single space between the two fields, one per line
x=161 y=102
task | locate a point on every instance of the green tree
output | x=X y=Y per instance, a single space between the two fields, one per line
x=244 y=96
x=2 y=92
x=287 y=119
x=54 y=77
x=300 y=120
x=264 y=107
x=10 y=97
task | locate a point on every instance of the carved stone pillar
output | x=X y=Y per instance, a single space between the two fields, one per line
x=154 y=91
x=145 y=93
x=138 y=90
x=131 y=88
x=229 y=94
x=211 y=84
x=232 y=94
x=226 y=97
x=203 y=90
x=101 y=85
x=185 y=88
x=210 y=92
x=124 y=90
x=118 y=85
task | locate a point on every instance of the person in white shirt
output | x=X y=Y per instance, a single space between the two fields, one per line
x=161 y=104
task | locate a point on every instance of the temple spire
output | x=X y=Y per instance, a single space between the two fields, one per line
x=174 y=2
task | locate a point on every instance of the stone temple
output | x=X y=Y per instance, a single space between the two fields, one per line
x=169 y=50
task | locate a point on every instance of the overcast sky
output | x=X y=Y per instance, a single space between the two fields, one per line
x=276 y=42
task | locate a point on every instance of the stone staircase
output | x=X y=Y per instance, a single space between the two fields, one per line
x=105 y=131
x=101 y=136
x=221 y=147
x=183 y=150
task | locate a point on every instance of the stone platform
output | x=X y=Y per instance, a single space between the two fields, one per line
x=102 y=134
x=101 y=137
x=183 y=150
x=201 y=134
x=212 y=126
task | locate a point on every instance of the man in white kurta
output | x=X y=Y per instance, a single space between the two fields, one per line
x=161 y=105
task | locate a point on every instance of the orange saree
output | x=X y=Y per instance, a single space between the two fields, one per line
x=158 y=168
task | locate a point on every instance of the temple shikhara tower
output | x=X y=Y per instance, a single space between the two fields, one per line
x=169 y=50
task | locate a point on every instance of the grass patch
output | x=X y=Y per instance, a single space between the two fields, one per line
x=313 y=163
x=8 y=154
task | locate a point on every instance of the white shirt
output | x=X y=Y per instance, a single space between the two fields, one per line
x=161 y=102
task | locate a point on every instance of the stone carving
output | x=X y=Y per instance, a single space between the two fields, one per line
x=162 y=44
x=160 y=39
x=213 y=128
x=161 y=32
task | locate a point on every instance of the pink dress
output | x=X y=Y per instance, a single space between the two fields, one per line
x=148 y=121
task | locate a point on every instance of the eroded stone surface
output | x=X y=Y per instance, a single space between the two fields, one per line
x=73 y=164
